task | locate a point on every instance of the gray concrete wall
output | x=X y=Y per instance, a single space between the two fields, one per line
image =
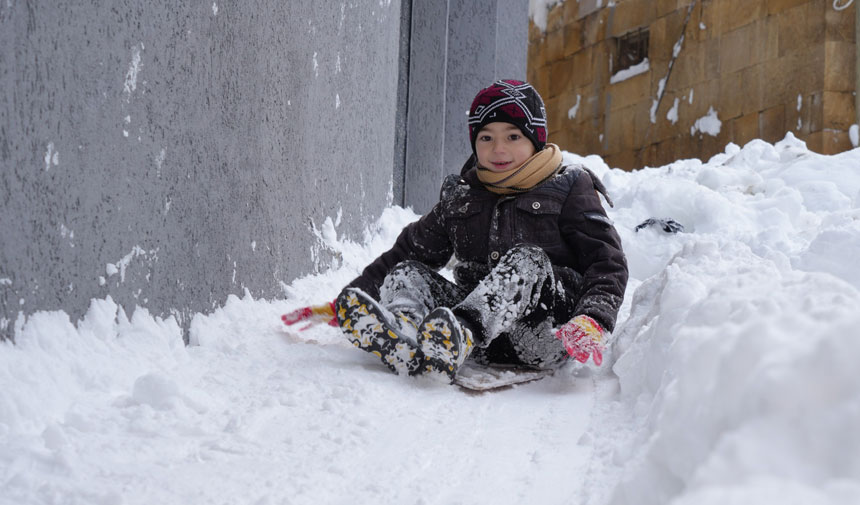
x=463 y=46
x=170 y=153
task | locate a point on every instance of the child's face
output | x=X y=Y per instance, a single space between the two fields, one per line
x=502 y=146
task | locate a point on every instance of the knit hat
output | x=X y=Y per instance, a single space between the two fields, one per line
x=509 y=101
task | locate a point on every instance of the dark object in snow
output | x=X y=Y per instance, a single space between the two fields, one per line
x=667 y=225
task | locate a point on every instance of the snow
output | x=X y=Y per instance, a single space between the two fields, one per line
x=539 y=9
x=734 y=364
x=854 y=135
x=120 y=266
x=130 y=84
x=842 y=4
x=676 y=49
x=799 y=106
x=51 y=157
x=709 y=123
x=622 y=75
x=661 y=85
x=731 y=377
x=672 y=114
x=573 y=111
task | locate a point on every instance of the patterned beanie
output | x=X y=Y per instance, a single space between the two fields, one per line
x=509 y=101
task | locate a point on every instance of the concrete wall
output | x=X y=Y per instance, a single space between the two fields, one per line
x=458 y=47
x=170 y=153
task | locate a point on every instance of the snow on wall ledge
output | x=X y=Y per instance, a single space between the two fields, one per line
x=732 y=376
x=169 y=155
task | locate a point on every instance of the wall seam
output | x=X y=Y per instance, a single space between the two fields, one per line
x=401 y=134
x=441 y=165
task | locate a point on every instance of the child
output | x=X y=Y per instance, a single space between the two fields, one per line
x=534 y=249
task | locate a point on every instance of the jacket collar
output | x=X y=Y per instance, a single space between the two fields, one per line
x=469 y=173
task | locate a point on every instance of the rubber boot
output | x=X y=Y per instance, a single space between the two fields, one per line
x=374 y=329
x=445 y=342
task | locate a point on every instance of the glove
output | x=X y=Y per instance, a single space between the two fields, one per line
x=582 y=336
x=313 y=314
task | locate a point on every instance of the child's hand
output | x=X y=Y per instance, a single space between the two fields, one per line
x=313 y=314
x=582 y=336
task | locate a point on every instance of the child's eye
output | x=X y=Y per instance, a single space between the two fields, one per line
x=485 y=138
x=515 y=136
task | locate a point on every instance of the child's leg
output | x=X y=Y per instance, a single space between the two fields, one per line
x=511 y=311
x=412 y=290
x=418 y=295
x=388 y=328
x=373 y=329
x=524 y=346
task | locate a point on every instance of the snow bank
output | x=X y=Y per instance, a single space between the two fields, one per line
x=737 y=363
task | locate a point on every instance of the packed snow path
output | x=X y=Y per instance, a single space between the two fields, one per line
x=126 y=414
x=731 y=376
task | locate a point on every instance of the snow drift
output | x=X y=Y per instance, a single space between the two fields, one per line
x=731 y=377
x=736 y=363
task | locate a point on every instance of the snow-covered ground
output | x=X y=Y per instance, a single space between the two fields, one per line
x=732 y=377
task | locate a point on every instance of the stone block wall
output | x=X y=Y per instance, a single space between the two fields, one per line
x=766 y=67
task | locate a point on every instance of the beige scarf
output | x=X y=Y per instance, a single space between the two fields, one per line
x=532 y=173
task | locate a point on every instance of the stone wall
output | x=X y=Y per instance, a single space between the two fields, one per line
x=766 y=67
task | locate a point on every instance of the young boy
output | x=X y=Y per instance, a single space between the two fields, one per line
x=534 y=250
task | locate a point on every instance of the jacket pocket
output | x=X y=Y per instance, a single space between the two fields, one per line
x=537 y=221
x=466 y=228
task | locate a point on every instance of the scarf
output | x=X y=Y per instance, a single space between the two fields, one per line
x=531 y=174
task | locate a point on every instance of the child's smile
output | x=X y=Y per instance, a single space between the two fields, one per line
x=501 y=166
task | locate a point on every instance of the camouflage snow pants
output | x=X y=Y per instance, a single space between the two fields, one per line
x=511 y=311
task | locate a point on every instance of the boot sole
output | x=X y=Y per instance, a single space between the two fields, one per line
x=367 y=327
x=443 y=342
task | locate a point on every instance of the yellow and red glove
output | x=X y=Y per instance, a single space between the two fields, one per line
x=313 y=314
x=582 y=336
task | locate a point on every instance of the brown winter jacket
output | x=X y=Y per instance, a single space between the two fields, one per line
x=563 y=216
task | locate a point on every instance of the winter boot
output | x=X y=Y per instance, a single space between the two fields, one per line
x=408 y=322
x=372 y=328
x=445 y=342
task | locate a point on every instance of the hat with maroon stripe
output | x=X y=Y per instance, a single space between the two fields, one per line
x=509 y=101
